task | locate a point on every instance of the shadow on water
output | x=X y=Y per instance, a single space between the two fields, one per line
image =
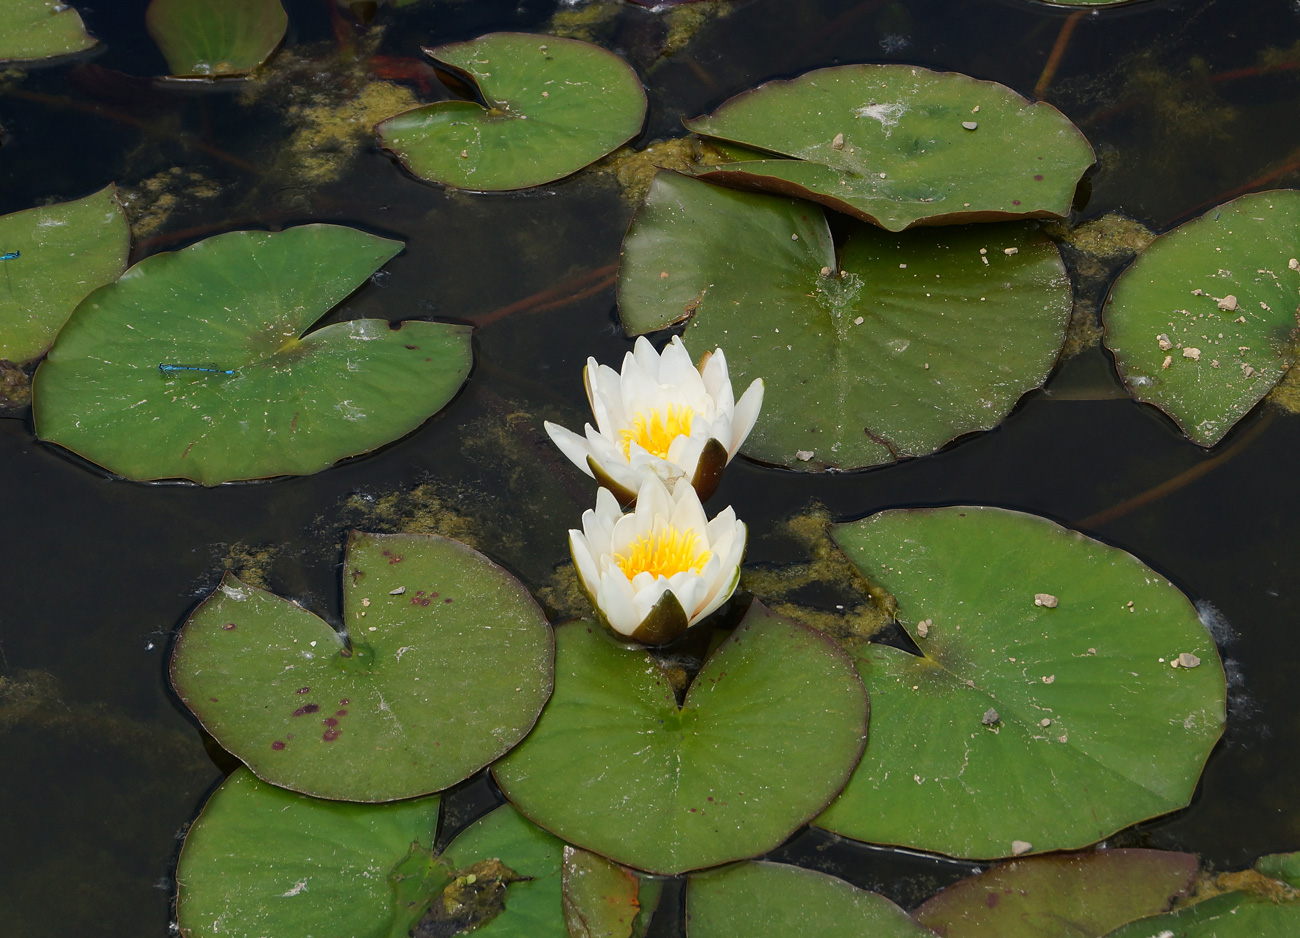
x=101 y=769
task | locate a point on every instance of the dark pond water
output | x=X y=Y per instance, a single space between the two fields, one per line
x=101 y=770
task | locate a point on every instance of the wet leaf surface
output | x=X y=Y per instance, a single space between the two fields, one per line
x=1203 y=323
x=553 y=106
x=899 y=145
x=1230 y=915
x=605 y=900
x=264 y=861
x=250 y=395
x=1046 y=710
x=894 y=347
x=769 y=730
x=1060 y=896
x=50 y=258
x=772 y=900
x=448 y=665
x=41 y=29
x=211 y=38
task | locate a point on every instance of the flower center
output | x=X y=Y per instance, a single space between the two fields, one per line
x=655 y=432
x=663 y=554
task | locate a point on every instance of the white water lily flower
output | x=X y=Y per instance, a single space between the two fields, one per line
x=657 y=570
x=663 y=416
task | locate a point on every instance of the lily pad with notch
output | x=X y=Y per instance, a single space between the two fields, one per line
x=899 y=145
x=1064 y=895
x=767 y=734
x=552 y=107
x=41 y=29
x=215 y=38
x=1064 y=690
x=50 y=258
x=1203 y=323
x=772 y=900
x=446 y=666
x=195 y=365
x=261 y=860
x=889 y=346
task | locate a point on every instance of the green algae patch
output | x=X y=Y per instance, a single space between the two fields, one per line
x=1063 y=690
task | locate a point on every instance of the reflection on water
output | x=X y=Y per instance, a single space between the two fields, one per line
x=1185 y=104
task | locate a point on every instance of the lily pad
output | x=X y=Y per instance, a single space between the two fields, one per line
x=194 y=364
x=523 y=903
x=899 y=145
x=772 y=900
x=41 y=29
x=1203 y=323
x=264 y=861
x=1064 y=689
x=605 y=900
x=447 y=667
x=1060 y=896
x=1229 y=915
x=211 y=38
x=553 y=106
x=894 y=347
x=767 y=734
x=50 y=258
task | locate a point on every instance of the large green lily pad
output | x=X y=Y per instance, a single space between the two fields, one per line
x=1060 y=896
x=264 y=861
x=1064 y=691
x=772 y=900
x=895 y=347
x=1203 y=323
x=605 y=900
x=63 y=252
x=40 y=29
x=210 y=38
x=899 y=145
x=447 y=667
x=255 y=397
x=767 y=734
x=553 y=106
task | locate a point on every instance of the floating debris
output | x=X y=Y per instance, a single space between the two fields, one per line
x=1228 y=304
x=923 y=627
x=1185 y=660
x=969 y=125
x=838 y=142
x=1193 y=353
x=397 y=592
x=1009 y=251
x=1019 y=847
x=990 y=717
x=1163 y=341
x=1046 y=599
x=803 y=455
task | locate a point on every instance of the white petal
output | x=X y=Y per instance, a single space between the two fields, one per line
x=746 y=414
x=617 y=602
x=723 y=524
x=645 y=356
x=689 y=588
x=582 y=559
x=684 y=453
x=653 y=500
x=688 y=513
x=717 y=382
x=571 y=445
x=645 y=599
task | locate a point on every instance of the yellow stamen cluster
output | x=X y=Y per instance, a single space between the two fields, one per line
x=655 y=432
x=663 y=554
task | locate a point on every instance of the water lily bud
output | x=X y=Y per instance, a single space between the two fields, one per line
x=654 y=572
x=660 y=416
